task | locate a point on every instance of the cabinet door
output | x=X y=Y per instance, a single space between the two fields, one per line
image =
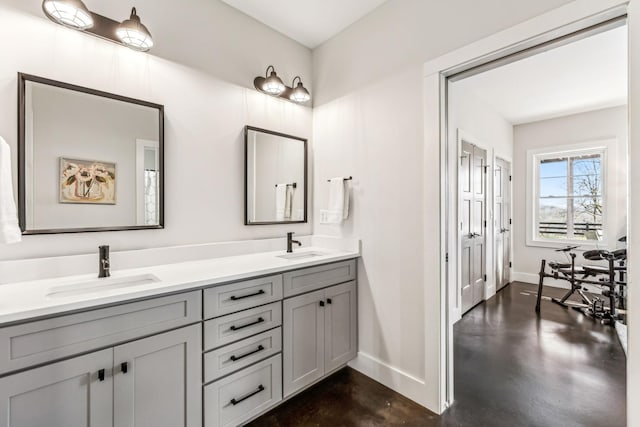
x=64 y=394
x=303 y=341
x=341 y=330
x=157 y=380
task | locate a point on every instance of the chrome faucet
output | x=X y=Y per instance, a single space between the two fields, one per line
x=290 y=242
x=104 y=263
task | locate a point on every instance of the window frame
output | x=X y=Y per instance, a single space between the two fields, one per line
x=534 y=157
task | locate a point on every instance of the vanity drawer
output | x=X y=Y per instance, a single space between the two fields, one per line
x=310 y=279
x=230 y=358
x=243 y=395
x=234 y=327
x=239 y=296
x=46 y=340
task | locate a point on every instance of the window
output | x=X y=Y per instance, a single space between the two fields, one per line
x=569 y=200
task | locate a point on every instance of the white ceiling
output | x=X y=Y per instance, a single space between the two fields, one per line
x=309 y=22
x=585 y=75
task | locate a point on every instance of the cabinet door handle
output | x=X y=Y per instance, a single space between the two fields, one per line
x=234 y=401
x=236 y=358
x=235 y=298
x=237 y=328
x=124 y=367
x=321 y=303
x=101 y=375
x=329 y=301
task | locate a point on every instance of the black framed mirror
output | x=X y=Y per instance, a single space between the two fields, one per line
x=275 y=185
x=88 y=160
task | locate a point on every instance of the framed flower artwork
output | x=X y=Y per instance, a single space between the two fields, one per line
x=87 y=182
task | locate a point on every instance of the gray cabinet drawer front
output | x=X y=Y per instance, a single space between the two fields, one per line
x=234 y=327
x=42 y=341
x=310 y=279
x=253 y=390
x=239 y=296
x=234 y=357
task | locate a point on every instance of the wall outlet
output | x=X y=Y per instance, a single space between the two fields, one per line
x=324 y=216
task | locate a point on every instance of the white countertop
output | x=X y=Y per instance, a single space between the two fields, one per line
x=26 y=300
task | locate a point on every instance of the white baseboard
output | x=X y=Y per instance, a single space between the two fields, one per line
x=533 y=278
x=402 y=382
x=548 y=281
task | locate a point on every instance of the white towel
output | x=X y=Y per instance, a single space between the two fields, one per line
x=288 y=203
x=338 y=209
x=9 y=229
x=281 y=201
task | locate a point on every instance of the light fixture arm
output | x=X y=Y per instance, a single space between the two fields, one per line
x=293 y=83
x=266 y=74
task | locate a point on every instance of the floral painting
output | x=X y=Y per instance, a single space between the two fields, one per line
x=86 y=181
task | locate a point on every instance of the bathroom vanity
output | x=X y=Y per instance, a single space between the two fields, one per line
x=203 y=343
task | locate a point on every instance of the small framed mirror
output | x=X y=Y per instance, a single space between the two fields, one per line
x=275 y=177
x=87 y=160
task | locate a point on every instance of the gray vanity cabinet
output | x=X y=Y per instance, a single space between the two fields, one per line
x=319 y=334
x=303 y=341
x=154 y=381
x=157 y=380
x=69 y=393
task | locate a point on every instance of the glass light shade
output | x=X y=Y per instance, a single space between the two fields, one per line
x=133 y=34
x=300 y=94
x=70 y=13
x=273 y=85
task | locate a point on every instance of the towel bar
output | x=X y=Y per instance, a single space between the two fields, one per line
x=345 y=179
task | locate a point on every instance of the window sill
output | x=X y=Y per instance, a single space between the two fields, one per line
x=564 y=243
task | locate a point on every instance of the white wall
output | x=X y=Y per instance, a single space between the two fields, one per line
x=386 y=165
x=206 y=35
x=485 y=127
x=403 y=33
x=204 y=115
x=369 y=123
x=585 y=127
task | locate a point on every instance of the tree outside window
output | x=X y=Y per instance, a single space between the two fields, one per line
x=570 y=196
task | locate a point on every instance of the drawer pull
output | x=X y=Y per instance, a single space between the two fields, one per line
x=257 y=350
x=329 y=301
x=235 y=298
x=124 y=367
x=101 y=375
x=237 y=328
x=234 y=402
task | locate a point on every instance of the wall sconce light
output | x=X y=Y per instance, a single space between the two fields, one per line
x=272 y=85
x=74 y=14
x=133 y=34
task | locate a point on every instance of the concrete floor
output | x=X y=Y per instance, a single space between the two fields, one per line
x=512 y=368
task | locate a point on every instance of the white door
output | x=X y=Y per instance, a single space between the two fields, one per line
x=302 y=340
x=502 y=192
x=472 y=181
x=77 y=392
x=341 y=339
x=158 y=381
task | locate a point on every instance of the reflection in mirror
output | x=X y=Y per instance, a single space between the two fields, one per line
x=89 y=161
x=275 y=177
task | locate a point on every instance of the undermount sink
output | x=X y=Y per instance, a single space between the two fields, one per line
x=98 y=285
x=302 y=255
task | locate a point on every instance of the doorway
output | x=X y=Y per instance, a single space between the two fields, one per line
x=520 y=204
x=502 y=199
x=472 y=176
